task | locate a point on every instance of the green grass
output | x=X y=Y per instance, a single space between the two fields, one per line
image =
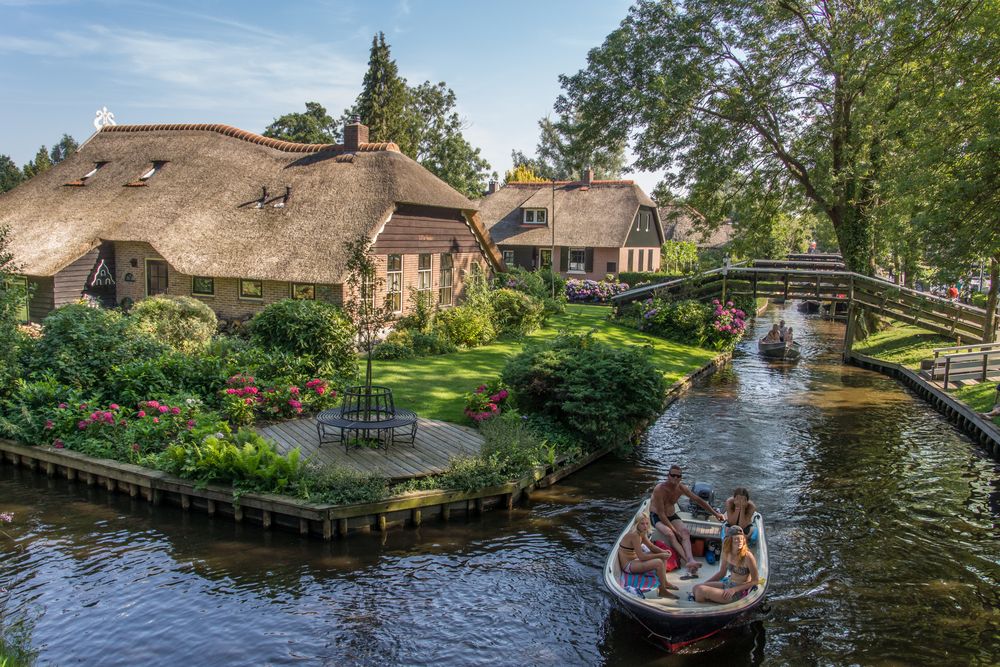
x=435 y=387
x=980 y=397
x=902 y=344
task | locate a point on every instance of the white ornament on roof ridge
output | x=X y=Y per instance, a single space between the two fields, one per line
x=104 y=118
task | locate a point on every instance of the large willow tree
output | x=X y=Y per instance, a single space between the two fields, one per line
x=757 y=107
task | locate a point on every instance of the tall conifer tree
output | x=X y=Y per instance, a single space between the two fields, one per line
x=384 y=103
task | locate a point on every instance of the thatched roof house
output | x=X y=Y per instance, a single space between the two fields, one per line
x=597 y=227
x=225 y=205
x=683 y=223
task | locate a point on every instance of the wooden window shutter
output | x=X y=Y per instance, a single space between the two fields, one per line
x=588 y=260
x=564 y=258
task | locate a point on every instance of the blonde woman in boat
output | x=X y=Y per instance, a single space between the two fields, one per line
x=737 y=572
x=634 y=559
x=774 y=335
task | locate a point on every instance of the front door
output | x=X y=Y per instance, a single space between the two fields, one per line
x=545 y=258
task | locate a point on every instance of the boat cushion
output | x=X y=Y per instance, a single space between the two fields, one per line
x=644 y=582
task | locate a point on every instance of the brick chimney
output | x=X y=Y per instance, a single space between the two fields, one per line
x=355 y=134
x=588 y=175
x=493 y=186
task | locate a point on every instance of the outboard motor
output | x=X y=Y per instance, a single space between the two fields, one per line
x=706 y=492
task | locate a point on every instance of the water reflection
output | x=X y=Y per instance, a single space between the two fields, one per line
x=882 y=523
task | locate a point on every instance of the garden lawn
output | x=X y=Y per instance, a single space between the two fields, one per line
x=903 y=344
x=435 y=387
x=979 y=397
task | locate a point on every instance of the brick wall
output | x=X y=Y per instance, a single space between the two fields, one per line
x=227 y=303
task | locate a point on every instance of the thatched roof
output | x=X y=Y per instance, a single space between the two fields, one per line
x=683 y=223
x=597 y=215
x=199 y=210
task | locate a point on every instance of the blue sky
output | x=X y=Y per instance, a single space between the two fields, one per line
x=244 y=63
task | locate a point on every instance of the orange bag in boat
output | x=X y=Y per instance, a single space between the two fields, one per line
x=698 y=546
x=671 y=563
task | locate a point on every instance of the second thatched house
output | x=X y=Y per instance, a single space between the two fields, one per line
x=236 y=220
x=595 y=228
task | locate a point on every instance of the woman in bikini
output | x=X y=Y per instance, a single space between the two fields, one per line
x=634 y=559
x=737 y=572
x=774 y=335
x=740 y=511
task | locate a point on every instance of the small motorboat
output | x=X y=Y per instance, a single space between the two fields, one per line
x=809 y=306
x=680 y=622
x=779 y=350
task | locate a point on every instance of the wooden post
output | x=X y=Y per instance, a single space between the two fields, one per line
x=109 y=484
x=265 y=518
x=327 y=529
x=755 y=289
x=786 y=286
x=416 y=517
x=157 y=497
x=381 y=522
x=445 y=512
x=342 y=527
x=185 y=502
x=210 y=507
x=50 y=469
x=237 y=513
x=70 y=474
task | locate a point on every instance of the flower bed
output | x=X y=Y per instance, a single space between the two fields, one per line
x=593 y=291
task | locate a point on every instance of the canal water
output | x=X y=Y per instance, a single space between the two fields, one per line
x=882 y=522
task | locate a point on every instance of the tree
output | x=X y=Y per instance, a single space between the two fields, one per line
x=361 y=305
x=522 y=173
x=441 y=147
x=39 y=165
x=564 y=151
x=13 y=296
x=762 y=107
x=315 y=126
x=63 y=149
x=385 y=101
x=678 y=257
x=10 y=175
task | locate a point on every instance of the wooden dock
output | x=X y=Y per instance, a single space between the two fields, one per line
x=436 y=444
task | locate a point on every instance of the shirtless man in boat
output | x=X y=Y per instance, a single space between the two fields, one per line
x=663 y=512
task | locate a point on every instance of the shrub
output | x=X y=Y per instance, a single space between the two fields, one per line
x=684 y=321
x=432 y=343
x=485 y=403
x=638 y=278
x=726 y=327
x=243 y=399
x=597 y=392
x=182 y=322
x=340 y=486
x=83 y=347
x=309 y=328
x=537 y=284
x=593 y=291
x=516 y=313
x=466 y=325
x=397 y=345
x=511 y=438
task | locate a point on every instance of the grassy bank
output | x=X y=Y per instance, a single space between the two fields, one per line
x=434 y=387
x=979 y=397
x=902 y=344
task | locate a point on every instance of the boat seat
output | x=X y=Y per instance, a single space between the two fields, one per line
x=645 y=581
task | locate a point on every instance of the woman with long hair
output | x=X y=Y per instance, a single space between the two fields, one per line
x=737 y=573
x=636 y=554
x=740 y=510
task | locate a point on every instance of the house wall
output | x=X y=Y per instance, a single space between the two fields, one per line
x=463 y=263
x=645 y=254
x=70 y=284
x=226 y=301
x=641 y=238
x=42 y=300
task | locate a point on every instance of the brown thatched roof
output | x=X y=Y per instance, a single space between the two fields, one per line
x=199 y=210
x=683 y=223
x=597 y=215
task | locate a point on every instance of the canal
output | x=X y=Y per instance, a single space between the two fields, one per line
x=882 y=523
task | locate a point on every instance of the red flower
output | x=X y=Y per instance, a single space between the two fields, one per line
x=141 y=413
x=58 y=444
x=175 y=411
x=156 y=420
x=48 y=424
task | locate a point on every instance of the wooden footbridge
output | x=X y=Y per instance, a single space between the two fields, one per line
x=824 y=278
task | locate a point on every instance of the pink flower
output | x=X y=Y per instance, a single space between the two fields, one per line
x=63 y=406
x=156 y=420
x=113 y=406
x=295 y=404
x=231 y=391
x=503 y=394
x=247 y=401
x=58 y=444
x=320 y=390
x=163 y=409
x=190 y=423
x=83 y=406
x=293 y=390
x=153 y=404
x=48 y=424
x=141 y=413
x=135 y=446
x=81 y=425
x=175 y=411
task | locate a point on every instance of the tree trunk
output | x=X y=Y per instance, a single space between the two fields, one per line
x=990 y=328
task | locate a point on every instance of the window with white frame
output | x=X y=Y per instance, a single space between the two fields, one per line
x=508 y=257
x=424 y=273
x=394 y=282
x=577 y=259
x=535 y=216
x=445 y=291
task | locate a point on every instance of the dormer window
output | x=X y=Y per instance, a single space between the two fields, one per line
x=80 y=182
x=642 y=221
x=535 y=216
x=151 y=171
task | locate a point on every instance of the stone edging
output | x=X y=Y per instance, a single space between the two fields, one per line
x=309 y=519
x=967 y=419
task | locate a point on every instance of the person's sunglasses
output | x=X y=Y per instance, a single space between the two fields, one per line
x=673 y=474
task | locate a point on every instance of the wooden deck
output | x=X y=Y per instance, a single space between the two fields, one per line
x=437 y=443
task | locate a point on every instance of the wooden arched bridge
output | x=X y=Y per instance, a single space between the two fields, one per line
x=824 y=278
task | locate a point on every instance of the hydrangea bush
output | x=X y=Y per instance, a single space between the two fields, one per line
x=727 y=326
x=593 y=291
x=486 y=402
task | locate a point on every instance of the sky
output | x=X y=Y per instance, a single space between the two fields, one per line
x=245 y=63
